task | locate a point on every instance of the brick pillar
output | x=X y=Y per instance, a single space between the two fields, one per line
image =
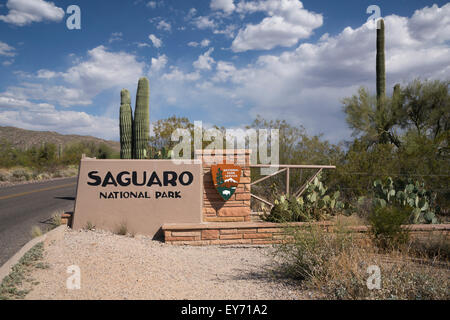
x=237 y=208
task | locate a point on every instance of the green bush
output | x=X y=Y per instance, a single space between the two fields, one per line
x=386 y=227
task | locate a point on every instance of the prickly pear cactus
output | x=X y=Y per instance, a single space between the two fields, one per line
x=414 y=196
x=421 y=200
x=317 y=202
x=126 y=126
x=141 y=129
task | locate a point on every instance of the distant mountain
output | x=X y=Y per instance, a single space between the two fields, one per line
x=23 y=139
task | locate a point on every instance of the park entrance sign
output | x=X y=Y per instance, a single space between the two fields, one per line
x=137 y=195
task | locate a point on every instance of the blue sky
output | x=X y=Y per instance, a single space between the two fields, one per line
x=218 y=61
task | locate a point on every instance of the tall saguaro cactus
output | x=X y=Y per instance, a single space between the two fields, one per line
x=141 y=128
x=126 y=126
x=381 y=68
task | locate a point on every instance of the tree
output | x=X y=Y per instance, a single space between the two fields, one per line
x=426 y=107
x=374 y=123
x=161 y=140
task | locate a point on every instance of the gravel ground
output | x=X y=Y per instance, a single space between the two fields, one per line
x=120 y=267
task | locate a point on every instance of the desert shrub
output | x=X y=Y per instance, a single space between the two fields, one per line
x=72 y=153
x=386 y=227
x=399 y=281
x=310 y=251
x=36 y=232
x=103 y=151
x=89 y=226
x=57 y=174
x=68 y=172
x=5 y=176
x=335 y=266
x=122 y=229
x=21 y=175
x=43 y=176
x=56 y=219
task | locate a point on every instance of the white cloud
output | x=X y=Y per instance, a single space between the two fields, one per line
x=228 y=31
x=44 y=117
x=7 y=100
x=79 y=84
x=171 y=100
x=192 y=12
x=203 y=43
x=157 y=43
x=31 y=105
x=142 y=44
x=61 y=95
x=104 y=70
x=23 y=12
x=204 y=61
x=46 y=74
x=151 y=4
x=224 y=71
x=6 y=50
x=204 y=22
x=422 y=25
x=163 y=25
x=178 y=75
x=286 y=24
x=115 y=36
x=159 y=63
x=225 y=5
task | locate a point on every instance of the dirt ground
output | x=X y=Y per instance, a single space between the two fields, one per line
x=121 y=267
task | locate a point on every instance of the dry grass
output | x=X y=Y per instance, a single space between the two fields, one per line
x=122 y=229
x=89 y=226
x=36 y=232
x=352 y=220
x=56 y=219
x=336 y=266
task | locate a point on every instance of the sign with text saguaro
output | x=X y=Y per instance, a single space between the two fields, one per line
x=138 y=196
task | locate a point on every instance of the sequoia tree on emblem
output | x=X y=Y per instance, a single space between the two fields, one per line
x=226 y=179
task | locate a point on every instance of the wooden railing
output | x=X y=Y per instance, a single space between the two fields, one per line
x=286 y=168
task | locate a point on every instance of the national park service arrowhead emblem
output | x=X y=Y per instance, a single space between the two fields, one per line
x=226 y=179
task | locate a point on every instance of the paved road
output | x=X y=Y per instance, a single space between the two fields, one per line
x=28 y=205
